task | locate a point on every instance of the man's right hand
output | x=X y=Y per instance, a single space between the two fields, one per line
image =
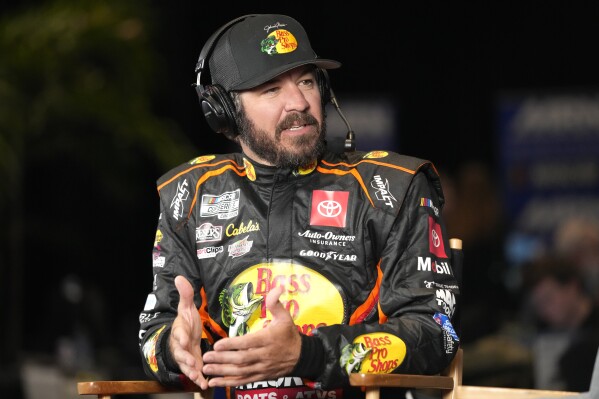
x=186 y=333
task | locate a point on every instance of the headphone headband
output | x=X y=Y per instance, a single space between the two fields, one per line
x=202 y=64
x=217 y=104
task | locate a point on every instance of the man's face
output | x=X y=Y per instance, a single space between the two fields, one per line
x=555 y=302
x=281 y=121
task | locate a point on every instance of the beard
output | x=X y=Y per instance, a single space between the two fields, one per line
x=304 y=149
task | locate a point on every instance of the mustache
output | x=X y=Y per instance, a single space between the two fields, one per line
x=297 y=118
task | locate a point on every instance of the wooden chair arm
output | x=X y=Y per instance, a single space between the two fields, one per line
x=401 y=380
x=481 y=392
x=105 y=389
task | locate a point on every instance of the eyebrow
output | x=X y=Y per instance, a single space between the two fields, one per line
x=304 y=69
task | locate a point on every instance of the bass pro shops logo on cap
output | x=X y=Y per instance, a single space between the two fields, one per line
x=260 y=47
x=279 y=41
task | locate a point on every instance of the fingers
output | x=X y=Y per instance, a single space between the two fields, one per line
x=186 y=334
x=274 y=305
x=272 y=298
x=185 y=291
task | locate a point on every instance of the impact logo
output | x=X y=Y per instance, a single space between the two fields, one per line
x=382 y=190
x=179 y=199
x=329 y=208
x=435 y=238
x=224 y=206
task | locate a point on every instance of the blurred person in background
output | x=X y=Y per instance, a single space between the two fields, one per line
x=577 y=239
x=565 y=321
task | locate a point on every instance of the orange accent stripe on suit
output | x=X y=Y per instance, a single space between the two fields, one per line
x=205 y=317
x=373 y=300
x=206 y=176
x=344 y=172
x=389 y=165
x=195 y=167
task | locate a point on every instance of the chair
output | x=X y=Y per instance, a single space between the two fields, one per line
x=449 y=381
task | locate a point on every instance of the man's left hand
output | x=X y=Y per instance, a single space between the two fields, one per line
x=263 y=355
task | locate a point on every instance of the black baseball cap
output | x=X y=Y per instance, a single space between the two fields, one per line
x=260 y=47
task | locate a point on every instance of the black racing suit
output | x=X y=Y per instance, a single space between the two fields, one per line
x=358 y=241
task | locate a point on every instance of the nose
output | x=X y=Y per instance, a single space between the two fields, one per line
x=295 y=99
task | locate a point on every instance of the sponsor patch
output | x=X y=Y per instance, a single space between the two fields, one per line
x=179 y=199
x=240 y=247
x=426 y=264
x=158 y=238
x=376 y=154
x=306 y=169
x=150 y=302
x=328 y=255
x=284 y=388
x=243 y=228
x=446 y=300
x=382 y=192
x=209 y=252
x=202 y=159
x=376 y=353
x=305 y=292
x=435 y=238
x=207 y=232
x=250 y=172
x=145 y=317
x=158 y=261
x=329 y=208
x=328 y=238
x=149 y=350
x=429 y=204
x=224 y=206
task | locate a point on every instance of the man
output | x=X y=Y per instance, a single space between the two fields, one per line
x=280 y=270
x=566 y=339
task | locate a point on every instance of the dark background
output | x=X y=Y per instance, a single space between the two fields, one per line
x=82 y=151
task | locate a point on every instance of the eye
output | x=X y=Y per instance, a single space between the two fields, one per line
x=270 y=90
x=307 y=83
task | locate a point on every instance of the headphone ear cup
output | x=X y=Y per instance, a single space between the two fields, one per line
x=322 y=78
x=219 y=110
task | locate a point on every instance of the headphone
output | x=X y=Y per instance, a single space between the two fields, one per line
x=217 y=104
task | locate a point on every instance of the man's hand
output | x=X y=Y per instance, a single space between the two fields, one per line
x=263 y=355
x=186 y=334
